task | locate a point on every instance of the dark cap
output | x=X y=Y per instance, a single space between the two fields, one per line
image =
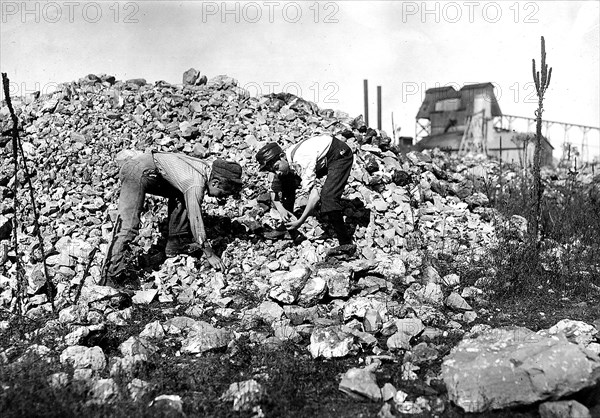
x=268 y=153
x=229 y=170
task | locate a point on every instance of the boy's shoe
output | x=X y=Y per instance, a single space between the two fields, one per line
x=341 y=250
x=125 y=282
x=295 y=236
x=275 y=234
x=178 y=245
x=122 y=288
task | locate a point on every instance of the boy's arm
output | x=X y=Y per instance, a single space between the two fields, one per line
x=313 y=199
x=276 y=190
x=285 y=214
x=193 y=200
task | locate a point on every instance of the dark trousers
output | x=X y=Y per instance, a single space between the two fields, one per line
x=339 y=165
x=138 y=177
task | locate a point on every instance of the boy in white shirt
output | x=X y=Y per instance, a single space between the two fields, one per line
x=298 y=167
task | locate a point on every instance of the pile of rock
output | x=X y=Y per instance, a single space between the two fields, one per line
x=405 y=211
x=400 y=206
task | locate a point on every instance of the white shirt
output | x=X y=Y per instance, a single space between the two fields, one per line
x=307 y=157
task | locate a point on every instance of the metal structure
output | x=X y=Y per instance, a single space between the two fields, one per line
x=509 y=123
x=422 y=129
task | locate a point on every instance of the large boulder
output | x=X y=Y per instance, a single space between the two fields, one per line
x=513 y=366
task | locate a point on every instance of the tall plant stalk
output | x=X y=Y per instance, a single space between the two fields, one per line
x=542 y=81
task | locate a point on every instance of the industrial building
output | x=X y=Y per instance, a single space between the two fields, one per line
x=467 y=120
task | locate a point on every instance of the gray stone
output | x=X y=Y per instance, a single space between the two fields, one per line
x=456 y=302
x=422 y=353
x=577 y=332
x=407 y=371
x=76 y=336
x=84 y=375
x=73 y=313
x=313 y=291
x=451 y=280
x=469 y=316
x=187 y=129
x=245 y=395
x=407 y=328
x=331 y=342
x=138 y=389
x=372 y=321
x=58 y=380
x=168 y=402
x=270 y=311
x=75 y=247
x=153 y=330
x=136 y=346
x=358 y=307
x=298 y=315
x=518 y=225
x=183 y=325
x=361 y=383
x=391 y=268
x=563 y=409
x=430 y=294
x=285 y=331
x=380 y=205
x=288 y=284
x=386 y=411
x=36 y=279
x=120 y=318
x=431 y=275
x=363 y=337
x=506 y=367
x=208 y=339
x=36 y=352
x=95 y=293
x=477 y=199
x=388 y=391
x=104 y=391
x=338 y=283
x=431 y=333
x=144 y=297
x=190 y=77
x=471 y=292
x=140 y=82
x=84 y=357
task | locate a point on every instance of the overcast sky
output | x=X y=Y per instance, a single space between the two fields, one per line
x=321 y=51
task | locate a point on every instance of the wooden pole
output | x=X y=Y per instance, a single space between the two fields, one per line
x=366 y=93
x=393 y=130
x=379 y=107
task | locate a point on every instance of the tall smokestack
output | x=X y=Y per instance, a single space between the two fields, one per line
x=379 y=107
x=366 y=92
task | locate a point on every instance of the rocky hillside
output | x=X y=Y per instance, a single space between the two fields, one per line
x=406 y=211
x=402 y=208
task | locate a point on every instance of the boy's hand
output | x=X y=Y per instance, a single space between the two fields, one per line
x=295 y=224
x=216 y=262
x=288 y=216
x=213 y=259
